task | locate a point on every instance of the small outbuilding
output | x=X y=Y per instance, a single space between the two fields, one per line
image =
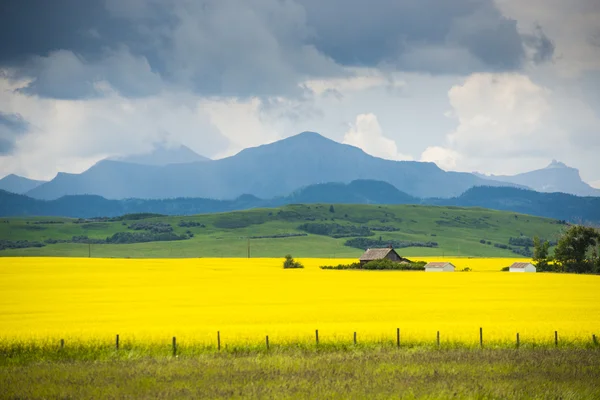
x=522 y=267
x=440 y=267
x=380 y=254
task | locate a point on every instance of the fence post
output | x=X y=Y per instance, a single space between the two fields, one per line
x=219 y=340
x=317 y=335
x=117 y=342
x=518 y=340
x=267 y=342
x=62 y=344
x=480 y=337
x=438 y=339
x=354 y=338
x=594 y=340
x=174 y=346
x=556 y=338
x=398 y=337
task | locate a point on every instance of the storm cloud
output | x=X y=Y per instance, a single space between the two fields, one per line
x=68 y=48
x=436 y=80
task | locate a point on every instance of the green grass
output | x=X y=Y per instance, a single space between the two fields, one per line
x=363 y=371
x=457 y=230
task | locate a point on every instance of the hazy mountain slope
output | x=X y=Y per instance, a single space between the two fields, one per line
x=266 y=171
x=553 y=205
x=18 y=184
x=356 y=192
x=109 y=179
x=556 y=177
x=162 y=155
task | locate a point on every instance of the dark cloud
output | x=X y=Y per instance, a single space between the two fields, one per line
x=540 y=44
x=251 y=47
x=11 y=127
x=356 y=32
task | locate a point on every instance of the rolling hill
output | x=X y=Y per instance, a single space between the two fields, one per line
x=315 y=230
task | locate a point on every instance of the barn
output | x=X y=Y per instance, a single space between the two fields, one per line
x=439 y=267
x=522 y=267
x=380 y=254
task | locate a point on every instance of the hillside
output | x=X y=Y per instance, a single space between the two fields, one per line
x=553 y=205
x=317 y=230
x=266 y=171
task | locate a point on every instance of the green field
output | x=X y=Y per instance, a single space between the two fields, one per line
x=358 y=372
x=457 y=231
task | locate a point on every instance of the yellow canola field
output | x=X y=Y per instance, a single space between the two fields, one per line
x=153 y=300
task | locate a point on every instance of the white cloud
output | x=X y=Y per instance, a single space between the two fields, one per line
x=446 y=159
x=508 y=124
x=71 y=135
x=367 y=134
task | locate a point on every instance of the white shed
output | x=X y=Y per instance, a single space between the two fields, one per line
x=439 y=267
x=522 y=267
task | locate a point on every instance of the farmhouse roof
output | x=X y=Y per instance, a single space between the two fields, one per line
x=438 y=264
x=520 y=265
x=376 y=254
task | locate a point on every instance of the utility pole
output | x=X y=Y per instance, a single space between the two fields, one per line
x=248 y=246
x=89 y=250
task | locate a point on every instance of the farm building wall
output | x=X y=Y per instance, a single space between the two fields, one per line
x=528 y=268
x=392 y=256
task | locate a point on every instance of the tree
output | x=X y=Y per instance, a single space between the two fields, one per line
x=540 y=254
x=571 y=252
x=331 y=209
x=291 y=263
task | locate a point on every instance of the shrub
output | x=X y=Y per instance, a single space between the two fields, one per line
x=505 y=269
x=381 y=265
x=291 y=263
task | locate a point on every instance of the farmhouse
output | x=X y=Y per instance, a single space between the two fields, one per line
x=380 y=254
x=439 y=267
x=522 y=267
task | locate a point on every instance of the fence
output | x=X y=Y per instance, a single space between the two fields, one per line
x=354 y=341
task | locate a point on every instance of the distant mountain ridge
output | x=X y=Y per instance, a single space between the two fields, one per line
x=553 y=205
x=556 y=177
x=265 y=171
x=18 y=184
x=163 y=155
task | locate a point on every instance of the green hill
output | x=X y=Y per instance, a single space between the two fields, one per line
x=316 y=230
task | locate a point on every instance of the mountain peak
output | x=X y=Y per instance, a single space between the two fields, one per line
x=557 y=164
x=163 y=155
x=308 y=136
x=18 y=184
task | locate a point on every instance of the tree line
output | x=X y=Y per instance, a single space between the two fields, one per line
x=577 y=251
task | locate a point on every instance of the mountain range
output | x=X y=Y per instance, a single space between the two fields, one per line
x=559 y=206
x=556 y=177
x=275 y=170
x=266 y=171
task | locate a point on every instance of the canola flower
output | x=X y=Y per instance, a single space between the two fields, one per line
x=246 y=299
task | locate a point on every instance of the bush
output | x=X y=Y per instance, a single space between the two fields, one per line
x=291 y=263
x=505 y=269
x=381 y=265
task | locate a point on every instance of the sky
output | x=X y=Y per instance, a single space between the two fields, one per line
x=494 y=86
